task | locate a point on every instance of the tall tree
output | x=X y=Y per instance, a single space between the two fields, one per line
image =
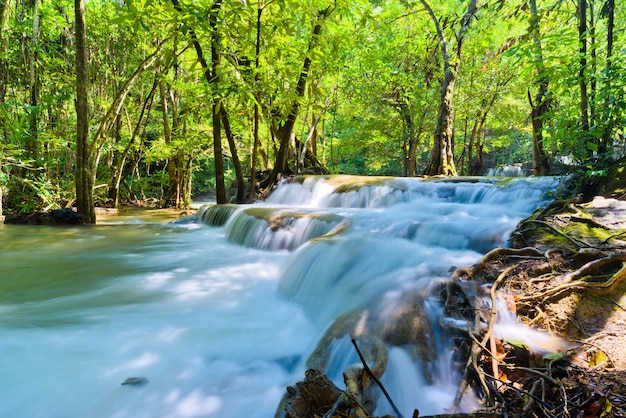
x=582 y=72
x=608 y=10
x=442 y=155
x=212 y=75
x=4 y=60
x=284 y=128
x=33 y=141
x=543 y=101
x=84 y=174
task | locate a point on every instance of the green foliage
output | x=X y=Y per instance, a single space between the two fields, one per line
x=374 y=82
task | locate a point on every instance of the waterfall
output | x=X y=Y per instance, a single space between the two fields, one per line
x=425 y=228
x=506 y=171
x=220 y=315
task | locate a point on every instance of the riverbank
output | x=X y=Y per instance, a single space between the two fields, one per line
x=565 y=276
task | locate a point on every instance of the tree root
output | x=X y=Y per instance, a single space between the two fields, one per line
x=575 y=280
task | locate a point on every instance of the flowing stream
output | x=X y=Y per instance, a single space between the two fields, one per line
x=217 y=318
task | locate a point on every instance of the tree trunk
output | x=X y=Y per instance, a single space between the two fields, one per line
x=241 y=184
x=175 y=189
x=255 y=146
x=4 y=64
x=33 y=142
x=442 y=156
x=542 y=103
x=212 y=78
x=413 y=135
x=84 y=177
x=607 y=139
x=593 y=81
x=310 y=139
x=582 y=72
x=285 y=130
x=114 y=192
x=220 y=187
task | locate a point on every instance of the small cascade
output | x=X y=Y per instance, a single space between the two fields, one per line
x=506 y=171
x=215 y=215
x=340 y=192
x=271 y=229
x=322 y=192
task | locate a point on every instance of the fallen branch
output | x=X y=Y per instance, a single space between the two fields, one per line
x=375 y=379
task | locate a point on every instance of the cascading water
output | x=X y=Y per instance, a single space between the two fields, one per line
x=215 y=321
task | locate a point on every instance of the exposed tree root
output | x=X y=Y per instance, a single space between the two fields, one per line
x=575 y=280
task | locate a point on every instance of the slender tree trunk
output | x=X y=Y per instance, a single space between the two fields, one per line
x=4 y=64
x=607 y=141
x=285 y=130
x=309 y=140
x=241 y=184
x=33 y=140
x=594 y=64
x=84 y=177
x=541 y=106
x=413 y=134
x=220 y=187
x=314 y=134
x=173 y=196
x=255 y=146
x=211 y=75
x=4 y=47
x=582 y=72
x=119 y=170
x=177 y=181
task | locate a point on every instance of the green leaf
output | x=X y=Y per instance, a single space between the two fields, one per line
x=553 y=356
x=516 y=343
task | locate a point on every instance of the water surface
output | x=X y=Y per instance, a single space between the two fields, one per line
x=217 y=324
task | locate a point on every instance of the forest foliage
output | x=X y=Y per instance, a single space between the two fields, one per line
x=188 y=97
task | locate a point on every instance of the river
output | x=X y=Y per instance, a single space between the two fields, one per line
x=215 y=321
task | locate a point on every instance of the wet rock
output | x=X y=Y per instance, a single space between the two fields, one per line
x=135 y=381
x=310 y=398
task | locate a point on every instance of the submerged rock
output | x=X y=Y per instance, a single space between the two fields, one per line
x=135 y=381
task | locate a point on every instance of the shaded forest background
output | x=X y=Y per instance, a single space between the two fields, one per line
x=182 y=98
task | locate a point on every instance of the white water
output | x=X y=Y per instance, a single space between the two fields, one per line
x=219 y=326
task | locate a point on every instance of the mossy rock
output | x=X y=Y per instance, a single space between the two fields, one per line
x=571 y=225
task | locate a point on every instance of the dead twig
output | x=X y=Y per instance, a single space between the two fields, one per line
x=375 y=379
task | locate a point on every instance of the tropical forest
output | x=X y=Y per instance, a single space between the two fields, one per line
x=313 y=208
